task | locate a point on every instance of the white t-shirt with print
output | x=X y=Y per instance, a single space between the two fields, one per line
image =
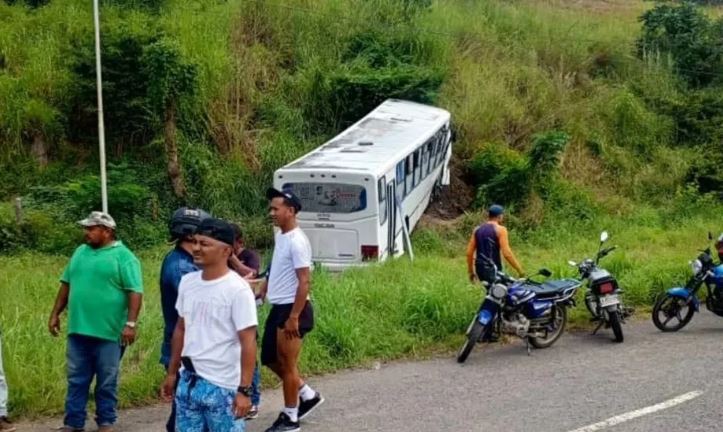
x=292 y=251
x=214 y=311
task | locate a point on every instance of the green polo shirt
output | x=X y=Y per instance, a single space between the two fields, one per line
x=100 y=280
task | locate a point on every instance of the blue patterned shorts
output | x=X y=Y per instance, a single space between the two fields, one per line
x=207 y=408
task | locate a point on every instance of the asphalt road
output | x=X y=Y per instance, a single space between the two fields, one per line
x=582 y=380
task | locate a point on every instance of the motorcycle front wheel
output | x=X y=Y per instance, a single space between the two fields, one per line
x=616 y=324
x=554 y=333
x=671 y=314
x=474 y=333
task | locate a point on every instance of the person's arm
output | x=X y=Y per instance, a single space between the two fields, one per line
x=61 y=302
x=247 y=337
x=135 y=300
x=239 y=267
x=507 y=251
x=132 y=281
x=245 y=321
x=301 y=257
x=471 y=249
x=169 y=384
x=302 y=294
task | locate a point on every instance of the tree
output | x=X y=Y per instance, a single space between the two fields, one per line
x=687 y=35
x=170 y=79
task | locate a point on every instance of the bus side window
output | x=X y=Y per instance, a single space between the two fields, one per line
x=439 y=148
x=425 y=161
x=433 y=154
x=417 y=167
x=408 y=176
x=430 y=156
x=382 y=191
x=400 y=181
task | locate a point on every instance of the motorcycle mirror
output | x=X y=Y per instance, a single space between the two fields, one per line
x=603 y=237
x=545 y=272
x=572 y=263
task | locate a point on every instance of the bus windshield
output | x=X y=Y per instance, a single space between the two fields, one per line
x=329 y=197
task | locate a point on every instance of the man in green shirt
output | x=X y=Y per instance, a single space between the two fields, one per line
x=103 y=290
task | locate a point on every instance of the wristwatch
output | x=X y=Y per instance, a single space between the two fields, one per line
x=131 y=324
x=245 y=390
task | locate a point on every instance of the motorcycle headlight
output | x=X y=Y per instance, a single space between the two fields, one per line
x=498 y=291
x=696 y=266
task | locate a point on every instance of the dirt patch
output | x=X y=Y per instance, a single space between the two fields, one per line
x=454 y=199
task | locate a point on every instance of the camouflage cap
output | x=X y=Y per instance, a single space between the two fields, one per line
x=98 y=218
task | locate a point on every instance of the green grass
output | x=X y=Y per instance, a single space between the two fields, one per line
x=399 y=309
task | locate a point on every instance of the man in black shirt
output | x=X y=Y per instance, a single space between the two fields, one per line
x=244 y=261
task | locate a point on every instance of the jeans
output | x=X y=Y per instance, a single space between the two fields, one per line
x=89 y=357
x=205 y=407
x=3 y=386
x=256 y=387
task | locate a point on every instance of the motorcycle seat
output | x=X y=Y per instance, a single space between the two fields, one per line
x=552 y=288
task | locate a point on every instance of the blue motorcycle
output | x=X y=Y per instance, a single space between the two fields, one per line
x=676 y=307
x=533 y=311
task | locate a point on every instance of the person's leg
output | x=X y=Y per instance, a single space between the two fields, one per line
x=107 y=365
x=269 y=357
x=189 y=414
x=288 y=353
x=3 y=385
x=256 y=387
x=218 y=408
x=309 y=399
x=80 y=370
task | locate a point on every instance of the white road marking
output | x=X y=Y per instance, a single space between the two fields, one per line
x=612 y=421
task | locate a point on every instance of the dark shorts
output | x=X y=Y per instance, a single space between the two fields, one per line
x=276 y=320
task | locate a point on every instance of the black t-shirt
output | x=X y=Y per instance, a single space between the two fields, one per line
x=250 y=259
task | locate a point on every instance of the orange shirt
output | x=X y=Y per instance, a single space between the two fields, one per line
x=503 y=238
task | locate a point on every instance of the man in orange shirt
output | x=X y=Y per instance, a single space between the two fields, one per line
x=491 y=240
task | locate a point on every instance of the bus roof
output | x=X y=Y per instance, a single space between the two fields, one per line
x=376 y=142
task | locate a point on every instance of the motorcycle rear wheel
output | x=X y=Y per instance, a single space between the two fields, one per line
x=616 y=324
x=671 y=307
x=473 y=335
x=558 y=327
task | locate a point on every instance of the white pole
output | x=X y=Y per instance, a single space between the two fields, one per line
x=101 y=128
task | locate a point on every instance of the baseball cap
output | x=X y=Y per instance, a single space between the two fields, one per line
x=496 y=210
x=288 y=196
x=216 y=229
x=98 y=218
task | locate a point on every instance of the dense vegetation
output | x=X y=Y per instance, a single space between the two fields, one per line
x=205 y=99
x=578 y=115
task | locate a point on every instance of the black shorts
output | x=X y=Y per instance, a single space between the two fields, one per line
x=276 y=320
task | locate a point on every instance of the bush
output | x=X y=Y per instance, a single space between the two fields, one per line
x=686 y=34
x=508 y=178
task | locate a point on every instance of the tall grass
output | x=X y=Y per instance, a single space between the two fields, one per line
x=399 y=309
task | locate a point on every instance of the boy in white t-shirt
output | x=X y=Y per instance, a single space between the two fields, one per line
x=214 y=339
x=291 y=315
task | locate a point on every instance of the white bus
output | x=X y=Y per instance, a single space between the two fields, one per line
x=360 y=187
